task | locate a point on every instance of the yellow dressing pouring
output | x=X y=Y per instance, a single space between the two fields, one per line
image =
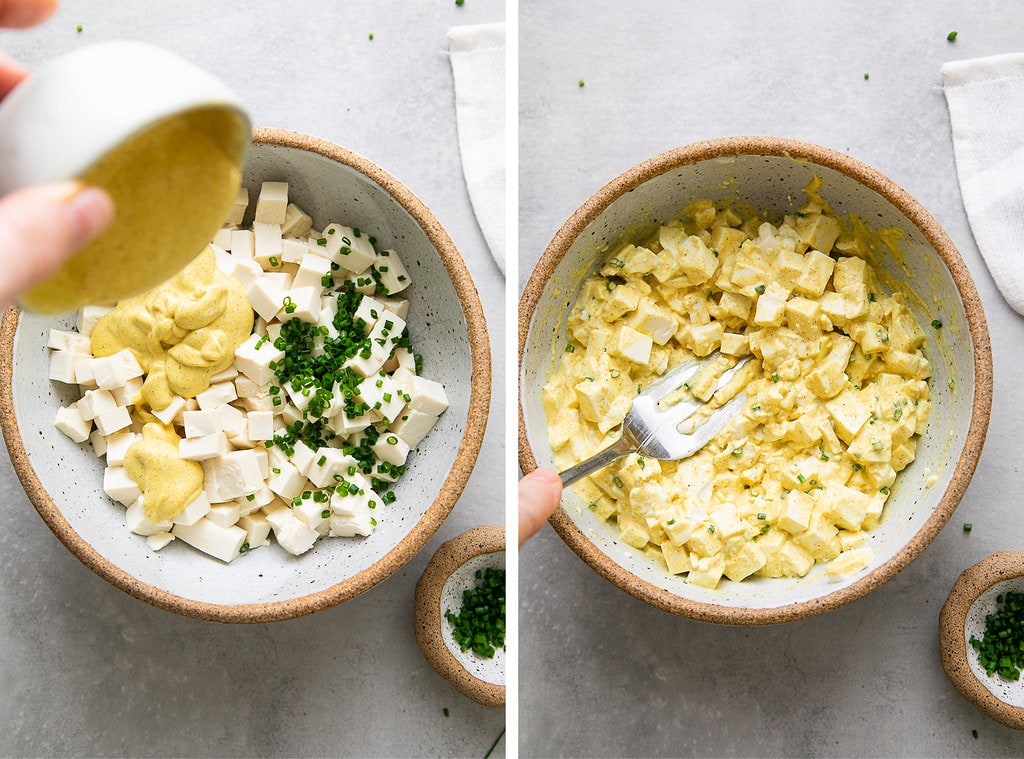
x=182 y=332
x=173 y=184
x=168 y=483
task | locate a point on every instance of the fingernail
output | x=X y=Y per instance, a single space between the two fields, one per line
x=90 y=210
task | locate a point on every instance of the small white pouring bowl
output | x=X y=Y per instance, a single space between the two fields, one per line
x=74 y=111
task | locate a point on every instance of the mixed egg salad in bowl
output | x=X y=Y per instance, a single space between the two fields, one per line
x=866 y=402
x=279 y=426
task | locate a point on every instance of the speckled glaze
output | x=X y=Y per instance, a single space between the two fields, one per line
x=64 y=480
x=450 y=571
x=963 y=615
x=769 y=173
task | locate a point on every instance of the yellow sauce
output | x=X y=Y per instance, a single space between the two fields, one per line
x=182 y=332
x=173 y=185
x=168 y=483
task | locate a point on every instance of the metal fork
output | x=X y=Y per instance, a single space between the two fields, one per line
x=652 y=430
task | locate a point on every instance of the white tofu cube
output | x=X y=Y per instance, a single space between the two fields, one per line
x=95 y=402
x=204 y=447
x=329 y=464
x=254 y=357
x=137 y=522
x=260 y=425
x=62 y=366
x=195 y=511
x=315 y=514
x=117 y=446
x=391 y=448
x=238 y=207
x=272 y=203
x=286 y=480
x=297 y=222
x=257 y=530
x=175 y=407
x=87 y=317
x=69 y=421
x=67 y=340
x=128 y=393
x=119 y=486
x=312 y=271
x=301 y=303
x=216 y=396
x=295 y=536
x=201 y=423
x=393 y=274
x=351 y=251
x=267 y=244
x=113 y=420
x=237 y=474
x=223 y=543
x=224 y=514
x=293 y=251
x=384 y=395
x=159 y=540
x=428 y=396
x=412 y=426
x=302 y=457
x=243 y=244
x=265 y=296
x=222 y=239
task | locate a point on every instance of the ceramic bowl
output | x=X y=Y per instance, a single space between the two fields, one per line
x=770 y=174
x=451 y=571
x=64 y=480
x=113 y=110
x=972 y=598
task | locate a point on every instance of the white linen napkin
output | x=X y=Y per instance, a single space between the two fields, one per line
x=478 y=66
x=986 y=108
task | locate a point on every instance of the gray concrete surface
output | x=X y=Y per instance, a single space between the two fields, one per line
x=87 y=670
x=603 y=674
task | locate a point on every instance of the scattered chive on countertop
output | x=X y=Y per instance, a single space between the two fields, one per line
x=581 y=82
x=480 y=623
x=1001 y=647
x=951 y=36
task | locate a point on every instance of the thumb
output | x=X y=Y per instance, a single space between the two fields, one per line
x=539 y=494
x=41 y=226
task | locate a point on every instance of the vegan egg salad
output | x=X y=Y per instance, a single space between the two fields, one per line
x=270 y=387
x=836 y=397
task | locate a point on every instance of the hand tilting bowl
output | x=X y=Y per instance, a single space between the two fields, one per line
x=770 y=174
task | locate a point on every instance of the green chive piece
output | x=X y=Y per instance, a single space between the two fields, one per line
x=951 y=36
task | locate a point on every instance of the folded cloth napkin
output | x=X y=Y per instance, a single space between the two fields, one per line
x=986 y=108
x=478 y=66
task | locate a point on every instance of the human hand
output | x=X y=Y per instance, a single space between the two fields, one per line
x=539 y=494
x=41 y=226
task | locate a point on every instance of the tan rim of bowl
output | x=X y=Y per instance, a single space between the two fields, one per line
x=1005 y=565
x=428 y=620
x=450 y=490
x=936 y=237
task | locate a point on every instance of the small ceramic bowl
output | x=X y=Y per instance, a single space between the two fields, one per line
x=963 y=616
x=770 y=174
x=117 y=110
x=451 y=571
x=64 y=480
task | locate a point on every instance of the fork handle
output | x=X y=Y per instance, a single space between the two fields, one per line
x=617 y=450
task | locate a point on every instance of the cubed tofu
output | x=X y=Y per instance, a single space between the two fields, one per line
x=272 y=203
x=691 y=256
x=223 y=543
x=771 y=306
x=392 y=272
x=632 y=345
x=254 y=357
x=654 y=321
x=796 y=513
x=69 y=420
x=849 y=414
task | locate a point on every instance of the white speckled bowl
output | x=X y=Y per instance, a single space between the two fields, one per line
x=446 y=324
x=963 y=615
x=451 y=571
x=770 y=173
